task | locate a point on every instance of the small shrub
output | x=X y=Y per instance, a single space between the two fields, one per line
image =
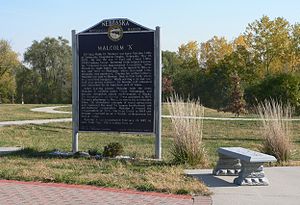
x=276 y=129
x=187 y=131
x=93 y=152
x=113 y=149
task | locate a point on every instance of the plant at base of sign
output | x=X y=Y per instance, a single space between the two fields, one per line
x=113 y=149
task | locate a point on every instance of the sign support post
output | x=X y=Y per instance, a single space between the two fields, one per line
x=74 y=93
x=157 y=95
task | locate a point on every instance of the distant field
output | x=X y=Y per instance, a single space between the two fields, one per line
x=10 y=112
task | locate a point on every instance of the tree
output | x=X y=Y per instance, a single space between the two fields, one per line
x=269 y=41
x=294 y=54
x=219 y=71
x=240 y=62
x=27 y=82
x=237 y=103
x=51 y=60
x=213 y=51
x=181 y=68
x=186 y=83
x=7 y=88
x=167 y=87
x=215 y=86
x=8 y=58
x=8 y=63
x=240 y=41
x=189 y=55
x=170 y=63
x=284 y=87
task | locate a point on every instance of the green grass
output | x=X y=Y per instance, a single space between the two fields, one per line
x=236 y=133
x=10 y=112
x=34 y=163
x=65 y=109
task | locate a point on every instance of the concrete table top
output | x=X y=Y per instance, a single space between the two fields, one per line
x=246 y=154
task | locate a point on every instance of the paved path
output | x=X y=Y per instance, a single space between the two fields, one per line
x=222 y=118
x=35 y=193
x=283 y=188
x=50 y=110
x=40 y=121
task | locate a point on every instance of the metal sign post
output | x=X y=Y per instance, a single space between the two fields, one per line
x=157 y=96
x=74 y=93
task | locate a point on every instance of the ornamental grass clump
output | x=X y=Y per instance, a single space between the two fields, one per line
x=187 y=126
x=276 y=129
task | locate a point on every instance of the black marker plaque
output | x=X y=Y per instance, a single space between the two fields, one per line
x=116 y=77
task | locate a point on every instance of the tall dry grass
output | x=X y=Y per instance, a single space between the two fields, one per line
x=187 y=132
x=276 y=128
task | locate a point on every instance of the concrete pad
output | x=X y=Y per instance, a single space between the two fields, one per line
x=8 y=150
x=283 y=188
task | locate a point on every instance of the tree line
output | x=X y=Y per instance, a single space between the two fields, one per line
x=44 y=76
x=263 y=62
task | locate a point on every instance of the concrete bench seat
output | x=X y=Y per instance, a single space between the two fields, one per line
x=244 y=163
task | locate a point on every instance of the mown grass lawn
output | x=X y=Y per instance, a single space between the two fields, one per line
x=10 y=112
x=35 y=163
x=66 y=108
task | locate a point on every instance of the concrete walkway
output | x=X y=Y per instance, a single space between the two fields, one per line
x=35 y=193
x=222 y=118
x=283 y=188
x=50 y=110
x=40 y=121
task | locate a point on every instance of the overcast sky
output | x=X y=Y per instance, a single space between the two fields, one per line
x=181 y=21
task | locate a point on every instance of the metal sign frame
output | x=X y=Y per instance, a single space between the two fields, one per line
x=157 y=91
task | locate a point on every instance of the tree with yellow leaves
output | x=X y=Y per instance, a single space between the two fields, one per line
x=213 y=51
x=8 y=65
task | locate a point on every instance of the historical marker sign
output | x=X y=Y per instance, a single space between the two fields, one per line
x=116 y=77
x=117 y=62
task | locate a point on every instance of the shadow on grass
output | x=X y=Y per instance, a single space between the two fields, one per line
x=33 y=153
x=137 y=163
x=54 y=127
x=232 y=139
x=45 y=127
x=141 y=163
